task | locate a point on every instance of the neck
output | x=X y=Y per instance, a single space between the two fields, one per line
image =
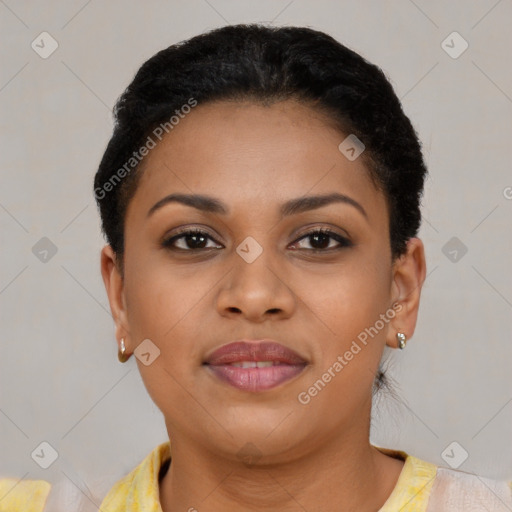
x=340 y=474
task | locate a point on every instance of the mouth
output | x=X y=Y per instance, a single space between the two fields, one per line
x=255 y=365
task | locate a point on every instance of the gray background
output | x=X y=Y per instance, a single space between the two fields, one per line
x=60 y=380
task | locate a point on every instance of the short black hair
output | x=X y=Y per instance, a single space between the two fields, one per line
x=265 y=64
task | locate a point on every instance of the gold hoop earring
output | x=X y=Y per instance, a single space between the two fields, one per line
x=402 y=340
x=121 y=354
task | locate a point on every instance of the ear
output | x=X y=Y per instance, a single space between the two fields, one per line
x=114 y=286
x=409 y=272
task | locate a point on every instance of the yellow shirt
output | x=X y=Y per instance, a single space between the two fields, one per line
x=421 y=487
x=23 y=495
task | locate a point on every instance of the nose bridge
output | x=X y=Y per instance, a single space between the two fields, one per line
x=253 y=265
x=254 y=286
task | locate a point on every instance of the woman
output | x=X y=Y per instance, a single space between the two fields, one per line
x=260 y=197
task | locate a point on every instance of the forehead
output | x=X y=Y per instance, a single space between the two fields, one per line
x=250 y=154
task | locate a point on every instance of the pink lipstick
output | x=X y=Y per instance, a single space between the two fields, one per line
x=255 y=365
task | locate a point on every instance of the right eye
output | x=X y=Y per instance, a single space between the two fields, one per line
x=190 y=240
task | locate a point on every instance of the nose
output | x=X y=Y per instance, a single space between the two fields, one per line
x=257 y=291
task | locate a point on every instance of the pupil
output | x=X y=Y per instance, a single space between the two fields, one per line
x=197 y=240
x=324 y=240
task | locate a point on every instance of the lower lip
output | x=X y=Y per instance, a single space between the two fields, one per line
x=256 y=379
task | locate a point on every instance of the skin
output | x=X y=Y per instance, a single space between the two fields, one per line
x=253 y=158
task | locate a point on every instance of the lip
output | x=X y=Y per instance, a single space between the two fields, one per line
x=286 y=364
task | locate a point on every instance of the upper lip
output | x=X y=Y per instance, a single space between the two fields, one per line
x=254 y=350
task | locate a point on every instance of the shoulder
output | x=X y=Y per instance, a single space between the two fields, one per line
x=457 y=490
x=426 y=487
x=139 y=490
x=23 y=495
x=18 y=495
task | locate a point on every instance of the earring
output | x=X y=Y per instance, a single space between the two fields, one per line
x=402 y=339
x=121 y=355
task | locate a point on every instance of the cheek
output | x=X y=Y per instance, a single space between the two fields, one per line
x=161 y=305
x=350 y=305
x=158 y=298
x=351 y=297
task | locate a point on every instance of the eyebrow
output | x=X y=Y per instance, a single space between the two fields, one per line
x=291 y=207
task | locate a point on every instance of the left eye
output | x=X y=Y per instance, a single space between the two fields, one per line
x=320 y=239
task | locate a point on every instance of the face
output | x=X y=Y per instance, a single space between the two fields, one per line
x=254 y=263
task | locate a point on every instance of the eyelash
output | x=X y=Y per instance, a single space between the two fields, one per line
x=343 y=241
